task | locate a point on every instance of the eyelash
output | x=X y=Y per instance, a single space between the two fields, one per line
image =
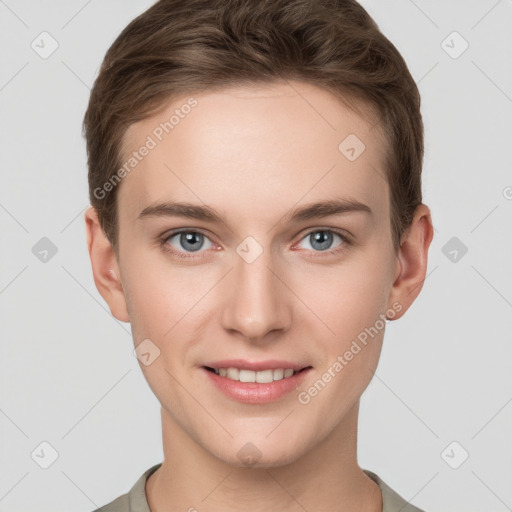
x=319 y=254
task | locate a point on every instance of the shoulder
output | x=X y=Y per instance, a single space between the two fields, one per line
x=134 y=500
x=391 y=500
x=121 y=504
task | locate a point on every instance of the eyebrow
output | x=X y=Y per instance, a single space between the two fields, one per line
x=206 y=213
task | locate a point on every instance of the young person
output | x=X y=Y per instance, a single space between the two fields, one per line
x=256 y=215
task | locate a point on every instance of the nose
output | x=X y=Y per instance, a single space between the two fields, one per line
x=257 y=301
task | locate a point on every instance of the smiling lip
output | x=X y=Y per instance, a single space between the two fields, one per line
x=242 y=364
x=255 y=392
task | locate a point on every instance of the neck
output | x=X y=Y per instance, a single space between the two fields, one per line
x=325 y=478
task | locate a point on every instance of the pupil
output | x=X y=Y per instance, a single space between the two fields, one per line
x=192 y=239
x=324 y=238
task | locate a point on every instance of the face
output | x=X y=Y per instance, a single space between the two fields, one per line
x=225 y=262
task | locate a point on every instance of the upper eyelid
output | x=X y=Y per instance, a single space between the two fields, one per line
x=338 y=231
x=172 y=234
x=341 y=233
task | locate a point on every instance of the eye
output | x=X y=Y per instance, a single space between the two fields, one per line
x=187 y=241
x=321 y=240
x=184 y=243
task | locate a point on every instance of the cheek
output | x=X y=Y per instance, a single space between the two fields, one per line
x=149 y=298
x=347 y=299
x=352 y=303
x=158 y=294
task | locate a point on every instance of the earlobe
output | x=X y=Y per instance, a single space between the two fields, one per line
x=105 y=267
x=412 y=260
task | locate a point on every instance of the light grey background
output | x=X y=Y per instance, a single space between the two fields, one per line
x=68 y=374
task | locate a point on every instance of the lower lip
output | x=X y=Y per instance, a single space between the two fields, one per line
x=255 y=392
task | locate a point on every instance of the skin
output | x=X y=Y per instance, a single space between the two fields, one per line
x=255 y=154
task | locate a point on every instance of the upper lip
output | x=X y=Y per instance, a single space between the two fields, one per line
x=256 y=366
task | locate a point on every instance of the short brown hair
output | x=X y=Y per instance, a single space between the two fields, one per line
x=178 y=47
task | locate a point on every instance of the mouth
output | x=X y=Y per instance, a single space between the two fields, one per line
x=265 y=376
x=255 y=382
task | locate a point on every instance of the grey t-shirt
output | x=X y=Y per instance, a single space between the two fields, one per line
x=135 y=500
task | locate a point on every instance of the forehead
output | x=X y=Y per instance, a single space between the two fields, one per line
x=254 y=147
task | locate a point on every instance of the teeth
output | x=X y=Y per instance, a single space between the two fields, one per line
x=247 y=376
x=233 y=373
x=263 y=376
x=278 y=374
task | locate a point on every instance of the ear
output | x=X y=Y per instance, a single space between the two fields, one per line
x=105 y=267
x=411 y=264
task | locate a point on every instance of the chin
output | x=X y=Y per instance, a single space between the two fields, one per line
x=259 y=451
